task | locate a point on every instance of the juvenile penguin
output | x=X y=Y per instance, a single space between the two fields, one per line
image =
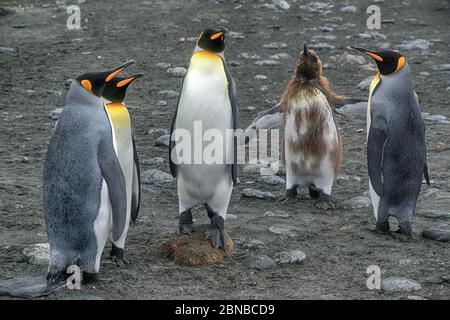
x=396 y=152
x=208 y=98
x=84 y=185
x=312 y=144
x=119 y=118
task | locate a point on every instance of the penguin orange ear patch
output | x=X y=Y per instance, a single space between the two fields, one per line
x=400 y=64
x=87 y=85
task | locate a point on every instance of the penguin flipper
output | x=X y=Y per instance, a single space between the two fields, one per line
x=112 y=173
x=136 y=191
x=236 y=120
x=375 y=152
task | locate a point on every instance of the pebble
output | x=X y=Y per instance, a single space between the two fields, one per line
x=161 y=103
x=438 y=234
x=399 y=285
x=255 y=244
x=163 y=65
x=441 y=67
x=290 y=257
x=171 y=94
x=349 y=9
x=344 y=177
x=281 y=4
x=283 y=230
x=27 y=287
x=260 y=77
x=436 y=214
x=321 y=46
x=326 y=29
x=264 y=263
x=178 y=72
x=436 y=194
x=157 y=131
x=271 y=180
x=353 y=59
x=280 y=56
x=352 y=109
x=258 y=194
x=436 y=118
x=54 y=115
x=261 y=168
x=276 y=214
x=235 y=35
x=37 y=254
x=357 y=203
x=163 y=141
x=250 y=56
x=157 y=161
x=7 y=50
x=155 y=176
x=418 y=44
x=261 y=63
x=275 y=45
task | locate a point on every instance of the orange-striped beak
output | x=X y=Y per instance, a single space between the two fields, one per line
x=118 y=70
x=370 y=54
x=216 y=35
x=127 y=81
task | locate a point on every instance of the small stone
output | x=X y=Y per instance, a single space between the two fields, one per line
x=163 y=65
x=357 y=203
x=353 y=59
x=255 y=244
x=276 y=214
x=290 y=257
x=359 y=108
x=326 y=29
x=231 y=216
x=266 y=63
x=275 y=45
x=27 y=287
x=258 y=194
x=436 y=194
x=437 y=234
x=163 y=141
x=365 y=84
x=436 y=214
x=349 y=9
x=436 y=118
x=366 y=36
x=344 y=177
x=418 y=44
x=249 y=108
x=441 y=67
x=250 y=56
x=155 y=176
x=260 y=77
x=161 y=103
x=37 y=254
x=7 y=50
x=280 y=56
x=399 y=285
x=264 y=263
x=235 y=35
x=321 y=46
x=157 y=161
x=171 y=94
x=283 y=230
x=281 y=4
x=177 y=72
x=271 y=180
x=415 y=298
x=54 y=115
x=194 y=250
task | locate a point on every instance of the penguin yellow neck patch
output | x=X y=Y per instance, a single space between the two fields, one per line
x=204 y=54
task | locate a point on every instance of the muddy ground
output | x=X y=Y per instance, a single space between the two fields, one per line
x=39 y=55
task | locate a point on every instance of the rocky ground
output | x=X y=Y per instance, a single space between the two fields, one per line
x=281 y=251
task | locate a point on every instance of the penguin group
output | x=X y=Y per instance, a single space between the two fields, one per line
x=92 y=176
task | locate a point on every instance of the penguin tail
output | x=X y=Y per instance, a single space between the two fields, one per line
x=425 y=173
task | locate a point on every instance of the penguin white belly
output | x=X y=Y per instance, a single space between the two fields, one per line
x=102 y=223
x=123 y=145
x=205 y=102
x=301 y=168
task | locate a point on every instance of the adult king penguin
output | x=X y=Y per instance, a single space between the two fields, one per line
x=396 y=152
x=84 y=184
x=312 y=144
x=119 y=118
x=208 y=97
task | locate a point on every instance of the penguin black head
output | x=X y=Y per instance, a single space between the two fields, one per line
x=212 y=40
x=95 y=82
x=388 y=61
x=116 y=88
x=309 y=66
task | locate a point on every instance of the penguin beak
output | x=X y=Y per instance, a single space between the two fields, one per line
x=216 y=35
x=127 y=81
x=370 y=54
x=114 y=72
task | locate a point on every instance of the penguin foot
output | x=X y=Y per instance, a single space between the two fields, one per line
x=54 y=278
x=186 y=229
x=116 y=256
x=324 y=205
x=314 y=192
x=89 y=278
x=186 y=225
x=383 y=227
x=404 y=231
x=215 y=233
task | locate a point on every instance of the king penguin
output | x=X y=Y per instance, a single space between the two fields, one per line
x=84 y=185
x=125 y=147
x=208 y=97
x=396 y=151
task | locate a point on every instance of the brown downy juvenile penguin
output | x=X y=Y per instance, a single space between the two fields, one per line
x=312 y=144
